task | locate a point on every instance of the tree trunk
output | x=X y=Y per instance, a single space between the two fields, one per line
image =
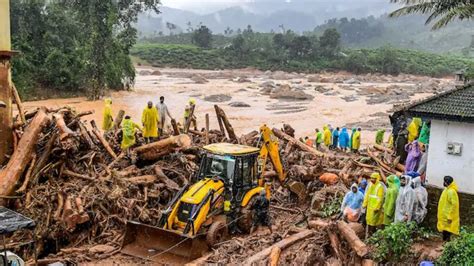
x=142 y=180
x=104 y=142
x=282 y=135
x=227 y=124
x=19 y=104
x=118 y=119
x=207 y=129
x=163 y=178
x=354 y=242
x=19 y=160
x=219 y=120
x=262 y=255
x=163 y=147
x=274 y=256
x=175 y=127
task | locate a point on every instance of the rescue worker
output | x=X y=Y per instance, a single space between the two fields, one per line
x=421 y=200
x=448 y=209
x=425 y=133
x=344 y=139
x=414 y=156
x=379 y=136
x=108 y=121
x=356 y=141
x=308 y=141
x=261 y=206
x=319 y=138
x=187 y=113
x=423 y=162
x=335 y=138
x=150 y=120
x=405 y=200
x=327 y=136
x=373 y=202
x=414 y=129
x=400 y=143
x=128 y=133
x=363 y=185
x=352 y=137
x=390 y=200
x=163 y=112
x=351 y=207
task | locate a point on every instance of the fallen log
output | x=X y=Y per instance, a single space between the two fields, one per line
x=262 y=255
x=163 y=178
x=64 y=131
x=28 y=175
x=354 y=242
x=19 y=160
x=59 y=209
x=163 y=147
x=274 y=256
x=302 y=146
x=335 y=243
x=43 y=159
x=104 y=142
x=142 y=180
x=19 y=104
x=207 y=130
x=382 y=148
x=69 y=173
x=85 y=135
x=187 y=123
x=227 y=124
x=318 y=224
x=175 y=127
x=219 y=121
x=118 y=119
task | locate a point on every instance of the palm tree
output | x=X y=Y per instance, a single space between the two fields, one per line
x=444 y=11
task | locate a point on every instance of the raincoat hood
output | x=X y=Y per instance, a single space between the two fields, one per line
x=107 y=101
x=354 y=186
x=416 y=182
x=417 y=121
x=344 y=130
x=376 y=176
x=453 y=186
x=391 y=180
x=354 y=130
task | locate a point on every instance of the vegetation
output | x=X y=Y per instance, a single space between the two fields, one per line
x=443 y=10
x=331 y=207
x=393 y=242
x=202 y=37
x=459 y=251
x=74 y=45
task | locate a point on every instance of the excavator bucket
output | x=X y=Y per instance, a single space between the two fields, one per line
x=161 y=245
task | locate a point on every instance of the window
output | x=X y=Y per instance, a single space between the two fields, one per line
x=218 y=165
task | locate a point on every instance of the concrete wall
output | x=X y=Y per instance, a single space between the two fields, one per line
x=440 y=163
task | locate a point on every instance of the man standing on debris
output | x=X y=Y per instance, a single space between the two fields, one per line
x=319 y=138
x=414 y=156
x=162 y=112
x=261 y=206
x=335 y=138
x=390 y=201
x=400 y=143
x=327 y=136
x=421 y=200
x=423 y=162
x=308 y=141
x=351 y=207
x=128 y=133
x=344 y=139
x=356 y=141
x=405 y=200
x=150 y=121
x=187 y=113
x=379 y=136
x=414 y=129
x=373 y=201
x=108 y=121
x=448 y=209
x=352 y=137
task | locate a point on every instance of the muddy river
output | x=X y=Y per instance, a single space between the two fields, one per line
x=340 y=99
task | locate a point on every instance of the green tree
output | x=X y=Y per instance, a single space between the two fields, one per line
x=444 y=11
x=202 y=37
x=330 y=43
x=300 y=47
x=238 y=45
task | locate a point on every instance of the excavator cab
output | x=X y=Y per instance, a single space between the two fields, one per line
x=222 y=194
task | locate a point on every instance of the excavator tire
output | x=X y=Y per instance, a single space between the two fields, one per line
x=247 y=216
x=216 y=233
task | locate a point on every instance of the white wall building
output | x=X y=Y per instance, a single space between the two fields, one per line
x=451 y=143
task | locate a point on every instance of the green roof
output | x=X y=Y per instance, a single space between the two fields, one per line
x=453 y=105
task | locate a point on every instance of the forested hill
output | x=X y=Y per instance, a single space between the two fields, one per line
x=405 y=32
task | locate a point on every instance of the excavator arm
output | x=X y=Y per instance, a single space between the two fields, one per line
x=270 y=150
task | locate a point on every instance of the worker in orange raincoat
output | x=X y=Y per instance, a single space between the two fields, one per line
x=448 y=209
x=150 y=120
x=373 y=201
x=108 y=120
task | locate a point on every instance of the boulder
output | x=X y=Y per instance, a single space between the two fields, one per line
x=313 y=78
x=239 y=104
x=217 y=98
x=352 y=81
x=156 y=73
x=199 y=79
x=144 y=72
x=285 y=92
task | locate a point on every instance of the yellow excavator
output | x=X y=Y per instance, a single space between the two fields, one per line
x=229 y=180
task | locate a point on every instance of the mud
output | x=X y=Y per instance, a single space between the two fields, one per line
x=176 y=86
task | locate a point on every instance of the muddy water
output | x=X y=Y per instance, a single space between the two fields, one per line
x=304 y=116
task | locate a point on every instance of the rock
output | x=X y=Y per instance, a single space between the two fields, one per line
x=239 y=104
x=322 y=89
x=268 y=84
x=243 y=80
x=350 y=98
x=313 y=79
x=217 y=98
x=199 y=79
x=156 y=73
x=352 y=81
x=324 y=80
x=266 y=91
x=144 y=72
x=285 y=92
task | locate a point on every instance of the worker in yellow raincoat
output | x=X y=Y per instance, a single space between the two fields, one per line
x=108 y=121
x=187 y=113
x=327 y=136
x=128 y=133
x=414 y=129
x=448 y=209
x=356 y=140
x=150 y=120
x=373 y=202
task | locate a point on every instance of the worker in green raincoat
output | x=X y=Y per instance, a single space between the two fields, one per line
x=128 y=133
x=319 y=138
x=379 y=136
x=373 y=201
x=390 y=200
x=108 y=120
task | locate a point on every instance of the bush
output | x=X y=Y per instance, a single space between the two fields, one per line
x=459 y=251
x=393 y=242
